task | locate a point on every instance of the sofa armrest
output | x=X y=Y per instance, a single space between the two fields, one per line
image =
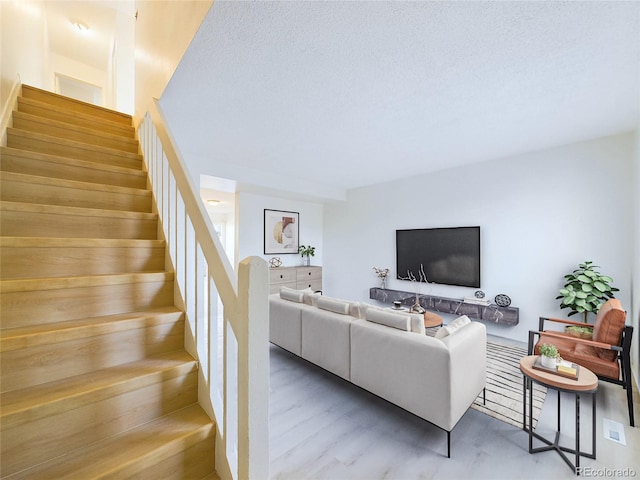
x=285 y=324
x=468 y=366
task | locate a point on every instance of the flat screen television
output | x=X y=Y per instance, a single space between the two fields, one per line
x=449 y=256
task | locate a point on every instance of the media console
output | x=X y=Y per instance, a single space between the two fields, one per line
x=487 y=313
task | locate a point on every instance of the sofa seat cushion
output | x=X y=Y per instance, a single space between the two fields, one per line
x=325 y=340
x=584 y=355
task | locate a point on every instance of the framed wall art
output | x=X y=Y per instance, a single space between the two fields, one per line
x=281 y=232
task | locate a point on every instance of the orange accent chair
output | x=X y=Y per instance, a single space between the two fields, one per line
x=607 y=354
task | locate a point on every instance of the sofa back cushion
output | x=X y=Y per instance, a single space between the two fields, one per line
x=333 y=305
x=389 y=319
x=292 y=295
x=454 y=326
x=608 y=327
x=310 y=297
x=417 y=320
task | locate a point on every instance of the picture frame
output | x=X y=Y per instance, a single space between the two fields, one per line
x=281 y=232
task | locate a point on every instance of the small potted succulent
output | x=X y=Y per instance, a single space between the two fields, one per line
x=307 y=252
x=548 y=355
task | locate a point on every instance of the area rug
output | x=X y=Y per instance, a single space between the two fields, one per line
x=504 y=386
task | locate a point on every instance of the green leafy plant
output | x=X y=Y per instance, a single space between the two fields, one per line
x=582 y=332
x=548 y=350
x=305 y=251
x=586 y=290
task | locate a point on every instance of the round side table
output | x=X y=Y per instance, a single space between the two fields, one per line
x=432 y=320
x=586 y=383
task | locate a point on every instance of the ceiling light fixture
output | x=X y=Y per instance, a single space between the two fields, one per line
x=213 y=202
x=80 y=27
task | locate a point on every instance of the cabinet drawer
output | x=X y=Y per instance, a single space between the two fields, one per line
x=282 y=275
x=275 y=287
x=314 y=285
x=309 y=273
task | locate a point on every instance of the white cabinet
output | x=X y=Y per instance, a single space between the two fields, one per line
x=295 y=277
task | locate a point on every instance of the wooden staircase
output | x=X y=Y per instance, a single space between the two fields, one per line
x=95 y=380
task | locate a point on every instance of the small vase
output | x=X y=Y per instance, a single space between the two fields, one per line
x=548 y=362
x=307 y=261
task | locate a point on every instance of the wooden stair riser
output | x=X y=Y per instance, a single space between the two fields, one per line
x=22 y=222
x=36 y=142
x=54 y=260
x=50 y=437
x=54 y=128
x=42 y=190
x=21 y=309
x=27 y=367
x=194 y=462
x=44 y=110
x=74 y=105
x=34 y=163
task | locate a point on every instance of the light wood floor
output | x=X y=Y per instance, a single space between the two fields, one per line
x=322 y=427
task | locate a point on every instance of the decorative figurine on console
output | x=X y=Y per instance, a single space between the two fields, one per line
x=382 y=275
x=416 y=307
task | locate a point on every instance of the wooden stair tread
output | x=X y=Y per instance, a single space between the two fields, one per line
x=70 y=129
x=123 y=455
x=74 y=184
x=29 y=91
x=80 y=211
x=77 y=118
x=92 y=340
x=18 y=152
x=49 y=242
x=49 y=333
x=211 y=476
x=82 y=281
x=28 y=404
x=89 y=148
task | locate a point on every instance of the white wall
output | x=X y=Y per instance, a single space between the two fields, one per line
x=22 y=40
x=540 y=215
x=635 y=306
x=163 y=32
x=250 y=226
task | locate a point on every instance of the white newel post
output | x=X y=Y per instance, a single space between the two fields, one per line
x=253 y=369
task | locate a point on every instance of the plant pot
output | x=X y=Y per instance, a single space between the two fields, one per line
x=577 y=333
x=548 y=362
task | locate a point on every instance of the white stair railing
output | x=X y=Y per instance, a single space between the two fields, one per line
x=231 y=346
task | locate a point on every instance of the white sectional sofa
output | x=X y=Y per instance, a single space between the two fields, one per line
x=386 y=353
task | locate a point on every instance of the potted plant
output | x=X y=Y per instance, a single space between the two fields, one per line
x=586 y=290
x=382 y=275
x=307 y=252
x=548 y=355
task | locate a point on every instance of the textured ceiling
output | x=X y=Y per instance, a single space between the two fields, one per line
x=321 y=97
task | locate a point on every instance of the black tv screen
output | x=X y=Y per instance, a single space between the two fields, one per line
x=450 y=256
